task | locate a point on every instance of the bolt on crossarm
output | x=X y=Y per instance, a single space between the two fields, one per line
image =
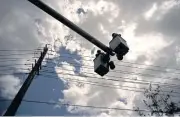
x=71 y=25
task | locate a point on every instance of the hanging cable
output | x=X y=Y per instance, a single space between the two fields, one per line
x=91 y=58
x=15 y=68
x=13 y=73
x=12 y=60
x=131 y=81
x=73 y=105
x=122 y=65
x=6 y=50
x=104 y=85
x=14 y=65
x=4 y=55
x=123 y=72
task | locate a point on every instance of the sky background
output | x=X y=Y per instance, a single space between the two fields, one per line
x=150 y=27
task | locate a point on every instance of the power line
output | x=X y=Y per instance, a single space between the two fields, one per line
x=83 y=81
x=83 y=106
x=12 y=58
x=122 y=65
x=80 y=75
x=146 y=74
x=123 y=72
x=135 y=73
x=146 y=82
x=8 y=50
x=17 y=54
x=151 y=65
x=103 y=84
x=13 y=73
x=14 y=65
x=121 y=61
x=132 y=81
x=148 y=69
x=15 y=69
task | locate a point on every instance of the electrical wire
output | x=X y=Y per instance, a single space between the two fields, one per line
x=4 y=55
x=117 y=80
x=157 y=70
x=124 y=72
x=8 y=50
x=134 y=73
x=96 y=77
x=15 y=68
x=74 y=105
x=92 y=83
x=90 y=67
x=12 y=60
x=123 y=62
x=14 y=65
x=151 y=65
x=103 y=84
x=84 y=81
x=140 y=74
x=143 y=68
x=14 y=73
x=3 y=66
x=145 y=82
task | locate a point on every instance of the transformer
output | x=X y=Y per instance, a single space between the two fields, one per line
x=101 y=65
x=119 y=46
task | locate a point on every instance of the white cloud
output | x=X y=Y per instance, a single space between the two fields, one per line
x=147 y=39
x=9 y=86
x=150 y=12
x=148 y=45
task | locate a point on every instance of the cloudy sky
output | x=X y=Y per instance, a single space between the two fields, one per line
x=150 y=27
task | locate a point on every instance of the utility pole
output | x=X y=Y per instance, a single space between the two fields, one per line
x=71 y=25
x=11 y=111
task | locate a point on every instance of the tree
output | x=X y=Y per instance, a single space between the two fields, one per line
x=158 y=103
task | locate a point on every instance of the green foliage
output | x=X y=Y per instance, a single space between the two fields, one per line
x=158 y=103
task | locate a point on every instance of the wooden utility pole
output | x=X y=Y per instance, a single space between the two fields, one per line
x=12 y=109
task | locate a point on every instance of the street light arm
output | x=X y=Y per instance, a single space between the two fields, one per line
x=71 y=25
